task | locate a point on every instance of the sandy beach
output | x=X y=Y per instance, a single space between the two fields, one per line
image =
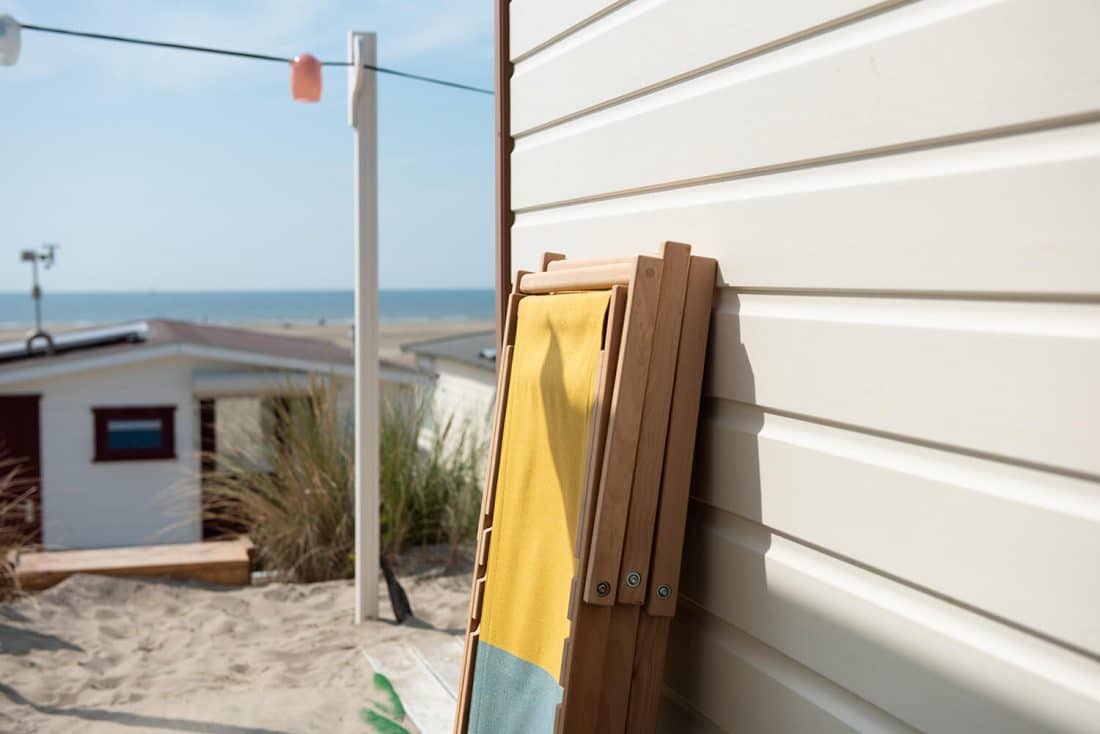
x=106 y=655
x=391 y=335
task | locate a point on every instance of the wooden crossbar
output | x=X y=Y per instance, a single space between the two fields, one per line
x=594 y=278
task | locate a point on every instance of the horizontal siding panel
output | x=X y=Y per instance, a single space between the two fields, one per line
x=930 y=663
x=535 y=22
x=745 y=686
x=911 y=512
x=675 y=716
x=1016 y=214
x=869 y=86
x=1011 y=379
x=630 y=49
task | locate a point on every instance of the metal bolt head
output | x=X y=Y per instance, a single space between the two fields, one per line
x=663 y=591
x=633 y=579
x=603 y=588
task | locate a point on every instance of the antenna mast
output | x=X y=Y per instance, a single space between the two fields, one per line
x=46 y=256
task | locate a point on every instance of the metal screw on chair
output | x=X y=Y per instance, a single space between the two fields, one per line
x=603 y=588
x=663 y=591
x=633 y=579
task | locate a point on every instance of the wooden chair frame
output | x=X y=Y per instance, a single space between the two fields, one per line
x=634 y=505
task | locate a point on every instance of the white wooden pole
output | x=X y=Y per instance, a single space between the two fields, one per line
x=363 y=116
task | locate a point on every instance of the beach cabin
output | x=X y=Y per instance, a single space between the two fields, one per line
x=463 y=373
x=895 y=522
x=114 y=422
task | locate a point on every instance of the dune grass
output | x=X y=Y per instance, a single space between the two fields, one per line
x=297 y=500
x=15 y=488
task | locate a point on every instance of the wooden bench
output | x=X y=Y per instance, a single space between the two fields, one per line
x=218 y=562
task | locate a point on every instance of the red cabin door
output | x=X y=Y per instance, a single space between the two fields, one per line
x=20 y=442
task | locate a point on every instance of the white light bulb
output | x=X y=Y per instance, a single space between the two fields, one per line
x=9 y=40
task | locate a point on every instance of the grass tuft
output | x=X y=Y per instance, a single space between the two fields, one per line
x=296 y=500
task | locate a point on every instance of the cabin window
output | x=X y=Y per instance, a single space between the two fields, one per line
x=135 y=433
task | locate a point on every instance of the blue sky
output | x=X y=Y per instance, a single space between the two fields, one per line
x=166 y=170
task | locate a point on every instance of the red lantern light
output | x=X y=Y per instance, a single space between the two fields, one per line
x=305 y=78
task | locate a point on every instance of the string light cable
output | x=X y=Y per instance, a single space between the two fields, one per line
x=253 y=56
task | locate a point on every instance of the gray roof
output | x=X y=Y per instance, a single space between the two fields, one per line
x=154 y=333
x=477 y=349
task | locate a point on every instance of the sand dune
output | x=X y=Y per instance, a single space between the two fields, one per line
x=97 y=654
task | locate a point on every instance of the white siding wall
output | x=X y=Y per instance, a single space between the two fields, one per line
x=95 y=505
x=896 y=515
x=464 y=393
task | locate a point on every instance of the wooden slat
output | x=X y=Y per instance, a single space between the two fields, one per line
x=617 y=669
x=484 y=532
x=1018 y=202
x=668 y=539
x=216 y=562
x=609 y=525
x=466 y=684
x=489 y=495
x=582 y=664
x=638 y=542
x=868 y=87
x=595 y=278
x=648 y=673
x=479 y=598
x=549 y=258
x=571 y=264
x=583 y=675
x=549 y=87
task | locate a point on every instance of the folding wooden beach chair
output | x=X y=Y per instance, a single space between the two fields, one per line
x=586 y=493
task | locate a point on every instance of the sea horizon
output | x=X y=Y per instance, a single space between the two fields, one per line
x=305 y=306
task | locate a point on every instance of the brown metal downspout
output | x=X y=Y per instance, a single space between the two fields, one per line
x=504 y=144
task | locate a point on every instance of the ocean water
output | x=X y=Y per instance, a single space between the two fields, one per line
x=17 y=309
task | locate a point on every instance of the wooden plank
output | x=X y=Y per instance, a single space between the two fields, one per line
x=548 y=258
x=466 y=682
x=638 y=542
x=601 y=415
x=489 y=495
x=216 y=562
x=582 y=663
x=609 y=524
x=618 y=669
x=570 y=264
x=851 y=92
x=648 y=673
x=680 y=449
x=484 y=533
x=583 y=674
x=546 y=88
x=681 y=412
x=595 y=278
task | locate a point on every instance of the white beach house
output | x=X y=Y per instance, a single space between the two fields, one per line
x=462 y=369
x=113 y=422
